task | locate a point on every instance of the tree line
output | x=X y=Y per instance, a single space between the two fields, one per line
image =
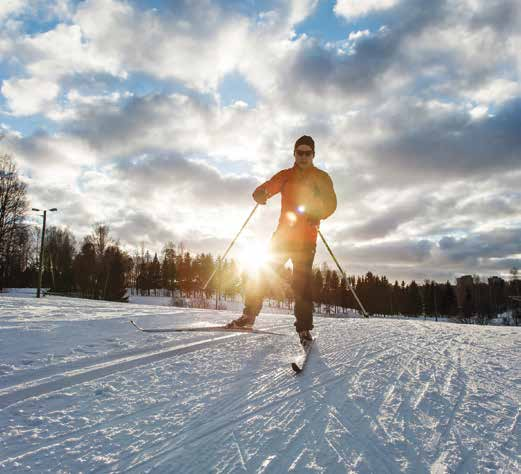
x=97 y=267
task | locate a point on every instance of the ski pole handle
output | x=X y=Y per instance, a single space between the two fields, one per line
x=231 y=245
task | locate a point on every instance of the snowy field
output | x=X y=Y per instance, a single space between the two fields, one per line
x=235 y=305
x=82 y=391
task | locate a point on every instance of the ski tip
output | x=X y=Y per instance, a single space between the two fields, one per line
x=296 y=368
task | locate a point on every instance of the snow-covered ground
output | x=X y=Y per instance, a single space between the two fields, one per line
x=81 y=391
x=230 y=305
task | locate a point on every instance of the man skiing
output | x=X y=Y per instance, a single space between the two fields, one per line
x=307 y=198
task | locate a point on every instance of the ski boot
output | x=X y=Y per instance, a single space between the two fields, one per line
x=305 y=337
x=245 y=321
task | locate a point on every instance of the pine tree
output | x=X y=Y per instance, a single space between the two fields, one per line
x=155 y=274
x=334 y=287
x=117 y=266
x=414 y=300
x=326 y=297
x=396 y=299
x=318 y=283
x=448 y=304
x=168 y=268
x=84 y=268
x=343 y=294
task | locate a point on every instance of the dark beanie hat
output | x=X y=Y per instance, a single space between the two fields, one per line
x=305 y=140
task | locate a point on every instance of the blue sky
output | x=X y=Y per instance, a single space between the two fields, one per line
x=161 y=117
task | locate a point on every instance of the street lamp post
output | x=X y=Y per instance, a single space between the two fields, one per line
x=40 y=271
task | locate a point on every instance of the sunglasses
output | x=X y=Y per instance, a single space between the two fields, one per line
x=306 y=153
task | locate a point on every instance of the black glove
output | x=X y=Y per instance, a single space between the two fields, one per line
x=260 y=196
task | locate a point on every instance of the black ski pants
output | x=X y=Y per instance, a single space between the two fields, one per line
x=301 y=255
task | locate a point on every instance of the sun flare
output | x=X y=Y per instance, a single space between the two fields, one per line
x=253 y=256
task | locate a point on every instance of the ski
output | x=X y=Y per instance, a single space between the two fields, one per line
x=206 y=329
x=300 y=362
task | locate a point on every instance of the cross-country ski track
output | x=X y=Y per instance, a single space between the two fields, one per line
x=81 y=390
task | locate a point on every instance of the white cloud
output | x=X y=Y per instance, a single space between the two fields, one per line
x=198 y=49
x=197 y=45
x=43 y=10
x=359 y=8
x=9 y=7
x=478 y=112
x=76 y=98
x=29 y=96
x=64 y=51
x=496 y=91
x=111 y=37
x=355 y=35
x=51 y=159
x=49 y=57
x=300 y=10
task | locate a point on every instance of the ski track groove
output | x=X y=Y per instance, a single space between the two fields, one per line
x=266 y=406
x=79 y=433
x=325 y=413
x=223 y=421
x=91 y=371
x=30 y=377
x=97 y=371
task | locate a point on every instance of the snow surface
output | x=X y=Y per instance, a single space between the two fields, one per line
x=81 y=391
x=230 y=305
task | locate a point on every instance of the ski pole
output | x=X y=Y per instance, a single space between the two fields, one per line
x=231 y=245
x=366 y=315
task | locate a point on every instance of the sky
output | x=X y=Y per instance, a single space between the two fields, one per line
x=160 y=118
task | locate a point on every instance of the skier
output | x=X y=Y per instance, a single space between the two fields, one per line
x=307 y=198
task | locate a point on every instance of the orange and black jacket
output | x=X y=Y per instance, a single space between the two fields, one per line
x=307 y=197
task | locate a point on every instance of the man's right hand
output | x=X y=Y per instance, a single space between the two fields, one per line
x=260 y=196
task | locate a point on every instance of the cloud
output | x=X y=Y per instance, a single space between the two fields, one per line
x=498 y=243
x=50 y=57
x=29 y=96
x=155 y=121
x=486 y=254
x=316 y=76
x=450 y=145
x=43 y=10
x=496 y=91
x=111 y=37
x=190 y=180
x=50 y=158
x=136 y=227
x=10 y=7
x=164 y=44
x=391 y=252
x=353 y=8
x=382 y=223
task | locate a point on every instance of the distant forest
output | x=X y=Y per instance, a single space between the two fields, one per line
x=98 y=268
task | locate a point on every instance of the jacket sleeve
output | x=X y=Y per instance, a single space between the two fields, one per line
x=328 y=196
x=273 y=185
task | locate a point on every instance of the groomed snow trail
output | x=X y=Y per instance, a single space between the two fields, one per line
x=376 y=396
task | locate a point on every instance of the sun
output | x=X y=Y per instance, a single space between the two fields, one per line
x=253 y=256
